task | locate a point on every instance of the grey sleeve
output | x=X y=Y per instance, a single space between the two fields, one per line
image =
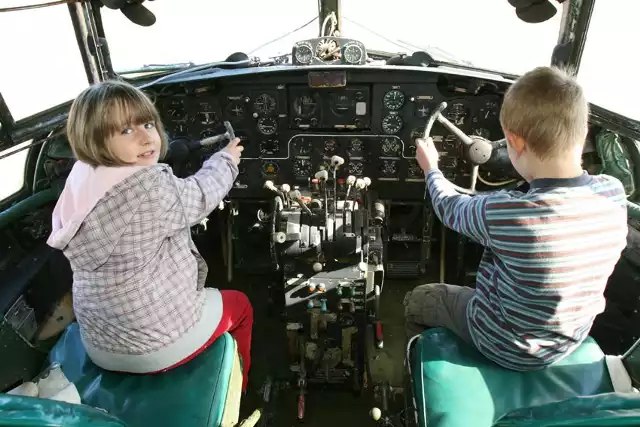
x=197 y=196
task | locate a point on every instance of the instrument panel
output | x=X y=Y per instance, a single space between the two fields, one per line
x=292 y=122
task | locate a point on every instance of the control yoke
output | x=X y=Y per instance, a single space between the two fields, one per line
x=228 y=135
x=180 y=148
x=478 y=149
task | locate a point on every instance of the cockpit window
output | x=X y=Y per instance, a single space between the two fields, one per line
x=207 y=31
x=41 y=63
x=608 y=70
x=488 y=34
x=12 y=169
x=202 y=31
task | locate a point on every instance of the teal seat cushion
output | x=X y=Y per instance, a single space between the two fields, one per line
x=454 y=385
x=193 y=394
x=600 y=410
x=31 y=411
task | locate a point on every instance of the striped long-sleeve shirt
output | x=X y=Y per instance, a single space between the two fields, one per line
x=549 y=253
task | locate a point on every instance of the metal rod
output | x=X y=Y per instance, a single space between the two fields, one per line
x=453 y=129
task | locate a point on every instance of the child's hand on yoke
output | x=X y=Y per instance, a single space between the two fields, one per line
x=426 y=154
x=235 y=149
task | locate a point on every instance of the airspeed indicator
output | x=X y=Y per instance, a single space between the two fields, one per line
x=392 y=124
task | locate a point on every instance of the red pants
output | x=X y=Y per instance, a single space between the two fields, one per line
x=237 y=319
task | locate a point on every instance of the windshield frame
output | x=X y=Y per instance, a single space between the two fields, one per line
x=86 y=19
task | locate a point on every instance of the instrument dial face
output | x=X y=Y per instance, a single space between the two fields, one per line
x=414 y=169
x=270 y=147
x=355 y=168
x=301 y=147
x=304 y=53
x=355 y=146
x=264 y=104
x=304 y=106
x=267 y=126
x=393 y=100
x=330 y=147
x=353 y=54
x=235 y=109
x=457 y=114
x=302 y=168
x=390 y=147
x=389 y=168
x=392 y=124
x=269 y=168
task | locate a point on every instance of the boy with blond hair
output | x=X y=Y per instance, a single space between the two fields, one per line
x=549 y=251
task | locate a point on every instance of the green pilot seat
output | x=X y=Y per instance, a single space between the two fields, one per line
x=454 y=386
x=202 y=393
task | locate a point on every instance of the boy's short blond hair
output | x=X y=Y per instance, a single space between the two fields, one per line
x=547 y=108
x=102 y=110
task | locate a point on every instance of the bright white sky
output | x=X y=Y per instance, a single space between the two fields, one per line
x=41 y=65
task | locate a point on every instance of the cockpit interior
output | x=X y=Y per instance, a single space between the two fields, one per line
x=326 y=228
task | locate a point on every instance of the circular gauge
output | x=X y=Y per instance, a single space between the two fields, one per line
x=390 y=147
x=235 y=109
x=269 y=168
x=330 y=147
x=301 y=146
x=489 y=110
x=304 y=53
x=388 y=168
x=355 y=146
x=328 y=50
x=353 y=54
x=457 y=114
x=392 y=124
x=342 y=103
x=355 y=168
x=267 y=126
x=270 y=147
x=176 y=111
x=264 y=104
x=304 y=106
x=302 y=168
x=207 y=117
x=414 y=169
x=393 y=100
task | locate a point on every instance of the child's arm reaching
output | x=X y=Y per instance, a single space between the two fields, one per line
x=198 y=195
x=461 y=213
